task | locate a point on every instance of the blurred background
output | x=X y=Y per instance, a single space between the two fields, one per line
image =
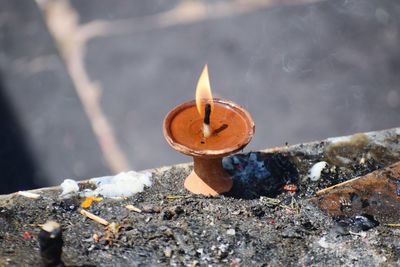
x=85 y=85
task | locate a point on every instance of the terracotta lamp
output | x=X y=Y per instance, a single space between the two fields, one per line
x=208 y=129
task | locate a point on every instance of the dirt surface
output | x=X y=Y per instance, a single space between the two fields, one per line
x=258 y=223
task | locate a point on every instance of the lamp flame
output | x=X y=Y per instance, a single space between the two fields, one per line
x=203 y=92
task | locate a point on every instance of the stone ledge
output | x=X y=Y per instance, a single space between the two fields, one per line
x=178 y=228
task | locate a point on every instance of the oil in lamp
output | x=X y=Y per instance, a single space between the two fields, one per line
x=208 y=129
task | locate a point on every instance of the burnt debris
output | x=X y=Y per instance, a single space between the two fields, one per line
x=260 y=174
x=346 y=225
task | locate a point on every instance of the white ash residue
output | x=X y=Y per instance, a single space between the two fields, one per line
x=315 y=172
x=69 y=188
x=124 y=184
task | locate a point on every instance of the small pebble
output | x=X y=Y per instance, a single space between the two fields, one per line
x=168 y=252
x=91 y=247
x=315 y=172
x=231 y=232
x=235 y=262
x=236 y=212
x=150 y=209
x=200 y=251
x=194 y=264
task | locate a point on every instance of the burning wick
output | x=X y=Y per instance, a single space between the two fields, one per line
x=206 y=122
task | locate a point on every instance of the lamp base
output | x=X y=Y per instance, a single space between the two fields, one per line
x=208 y=177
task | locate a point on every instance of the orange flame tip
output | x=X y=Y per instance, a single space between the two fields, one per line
x=203 y=92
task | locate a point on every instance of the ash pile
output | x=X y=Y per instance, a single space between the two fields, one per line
x=328 y=203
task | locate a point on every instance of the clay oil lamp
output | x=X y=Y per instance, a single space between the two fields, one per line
x=208 y=129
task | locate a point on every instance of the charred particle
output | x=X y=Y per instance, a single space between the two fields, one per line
x=167 y=215
x=68 y=206
x=364 y=203
x=365 y=222
x=176 y=210
x=257 y=211
x=308 y=225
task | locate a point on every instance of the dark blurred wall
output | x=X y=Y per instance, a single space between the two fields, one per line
x=17 y=168
x=45 y=136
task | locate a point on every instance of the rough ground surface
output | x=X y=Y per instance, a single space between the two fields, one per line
x=243 y=228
